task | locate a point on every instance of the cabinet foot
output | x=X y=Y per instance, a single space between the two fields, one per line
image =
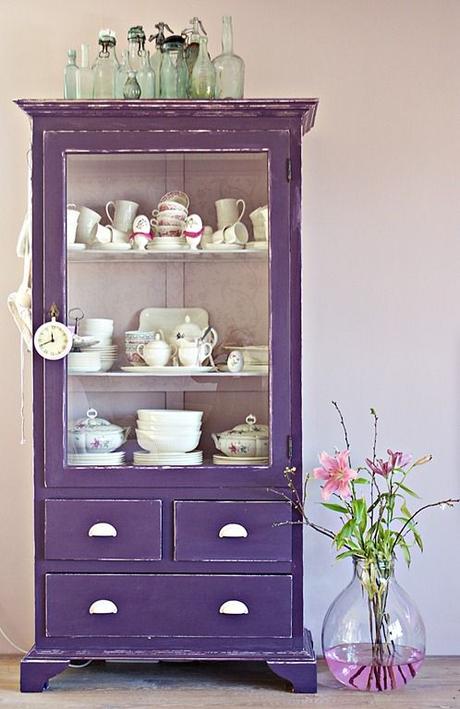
x=35 y=672
x=301 y=674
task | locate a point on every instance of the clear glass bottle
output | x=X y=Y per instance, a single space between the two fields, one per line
x=174 y=74
x=157 y=57
x=136 y=47
x=131 y=89
x=203 y=79
x=122 y=74
x=146 y=77
x=229 y=67
x=85 y=75
x=106 y=66
x=373 y=635
x=192 y=47
x=70 y=75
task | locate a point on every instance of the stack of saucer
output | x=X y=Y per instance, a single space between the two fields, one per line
x=167 y=243
x=173 y=459
x=94 y=459
x=102 y=330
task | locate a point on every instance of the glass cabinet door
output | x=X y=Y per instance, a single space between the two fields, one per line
x=181 y=361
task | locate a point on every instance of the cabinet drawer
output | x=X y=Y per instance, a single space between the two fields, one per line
x=180 y=605
x=103 y=529
x=232 y=531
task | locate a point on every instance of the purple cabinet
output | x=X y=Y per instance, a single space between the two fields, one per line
x=232 y=531
x=136 y=557
x=103 y=529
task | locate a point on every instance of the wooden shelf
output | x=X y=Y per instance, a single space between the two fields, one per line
x=91 y=255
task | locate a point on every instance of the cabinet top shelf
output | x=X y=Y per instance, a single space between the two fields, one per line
x=303 y=109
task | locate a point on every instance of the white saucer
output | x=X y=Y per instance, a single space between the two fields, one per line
x=223 y=247
x=233 y=460
x=257 y=245
x=248 y=368
x=168 y=371
x=112 y=246
x=76 y=247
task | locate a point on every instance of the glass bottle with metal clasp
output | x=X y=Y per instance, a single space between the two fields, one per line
x=106 y=66
x=136 y=46
x=192 y=43
x=174 y=74
x=157 y=56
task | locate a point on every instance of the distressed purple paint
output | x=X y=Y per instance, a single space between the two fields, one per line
x=68 y=572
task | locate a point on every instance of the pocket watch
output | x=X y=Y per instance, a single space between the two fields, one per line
x=53 y=340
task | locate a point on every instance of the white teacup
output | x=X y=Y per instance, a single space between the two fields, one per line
x=229 y=211
x=103 y=235
x=117 y=236
x=87 y=225
x=192 y=353
x=124 y=212
x=236 y=233
x=72 y=221
x=218 y=237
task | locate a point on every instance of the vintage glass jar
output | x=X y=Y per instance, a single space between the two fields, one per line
x=106 y=66
x=203 y=77
x=173 y=73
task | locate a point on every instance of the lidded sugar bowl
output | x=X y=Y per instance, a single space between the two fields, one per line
x=247 y=440
x=95 y=435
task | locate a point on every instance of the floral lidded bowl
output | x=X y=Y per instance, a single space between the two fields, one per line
x=247 y=440
x=95 y=435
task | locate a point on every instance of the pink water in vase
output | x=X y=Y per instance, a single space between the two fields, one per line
x=375 y=642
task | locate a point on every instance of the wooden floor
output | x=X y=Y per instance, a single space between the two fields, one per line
x=219 y=684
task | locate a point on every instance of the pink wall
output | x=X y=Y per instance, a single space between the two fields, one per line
x=382 y=247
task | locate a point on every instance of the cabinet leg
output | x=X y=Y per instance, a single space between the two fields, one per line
x=301 y=674
x=35 y=673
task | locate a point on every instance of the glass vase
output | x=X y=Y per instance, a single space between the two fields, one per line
x=229 y=66
x=373 y=635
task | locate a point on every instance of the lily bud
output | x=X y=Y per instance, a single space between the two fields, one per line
x=423 y=460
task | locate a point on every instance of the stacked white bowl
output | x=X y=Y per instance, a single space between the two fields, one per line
x=102 y=330
x=83 y=362
x=165 y=431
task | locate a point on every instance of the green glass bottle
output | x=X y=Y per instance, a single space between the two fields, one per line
x=203 y=79
x=131 y=89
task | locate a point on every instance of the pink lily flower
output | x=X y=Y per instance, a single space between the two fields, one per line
x=337 y=473
x=385 y=467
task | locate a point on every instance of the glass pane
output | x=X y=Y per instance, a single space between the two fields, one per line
x=164 y=319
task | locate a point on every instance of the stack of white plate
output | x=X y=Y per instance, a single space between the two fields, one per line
x=108 y=355
x=168 y=431
x=83 y=362
x=93 y=459
x=167 y=243
x=102 y=330
x=173 y=459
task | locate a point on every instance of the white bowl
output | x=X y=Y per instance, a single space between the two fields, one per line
x=169 y=414
x=161 y=443
x=168 y=430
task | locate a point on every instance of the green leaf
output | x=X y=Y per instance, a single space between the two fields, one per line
x=405 y=550
x=335 y=508
x=408 y=490
x=346 y=532
x=345 y=554
x=405 y=511
x=361 y=481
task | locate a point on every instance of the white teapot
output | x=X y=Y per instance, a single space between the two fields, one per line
x=158 y=352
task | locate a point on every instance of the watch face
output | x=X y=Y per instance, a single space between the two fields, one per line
x=53 y=340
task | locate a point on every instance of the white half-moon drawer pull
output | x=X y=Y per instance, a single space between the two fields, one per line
x=103 y=607
x=234 y=608
x=102 y=529
x=232 y=531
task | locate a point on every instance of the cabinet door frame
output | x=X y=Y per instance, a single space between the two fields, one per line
x=50 y=404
